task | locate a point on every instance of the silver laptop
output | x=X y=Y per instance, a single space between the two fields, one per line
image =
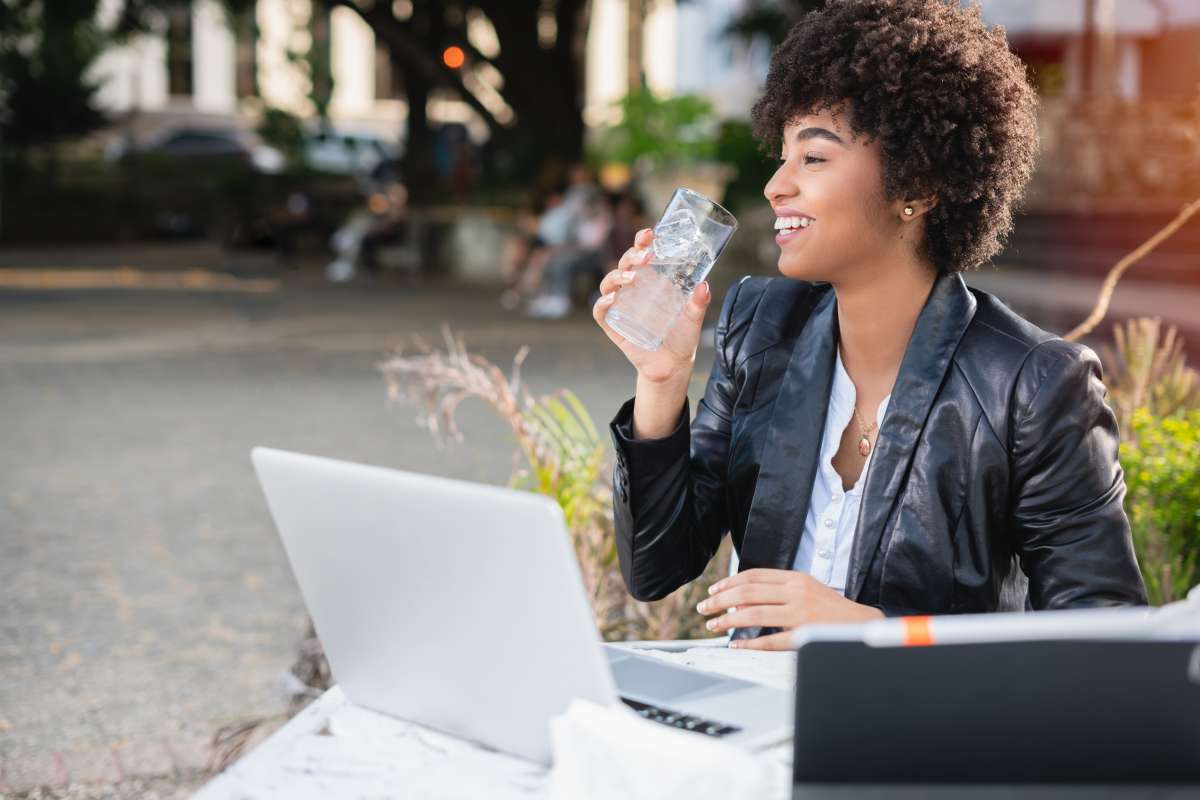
x=461 y=607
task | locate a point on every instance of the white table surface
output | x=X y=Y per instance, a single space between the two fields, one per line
x=334 y=748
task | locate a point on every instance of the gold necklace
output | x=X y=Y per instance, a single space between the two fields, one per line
x=864 y=444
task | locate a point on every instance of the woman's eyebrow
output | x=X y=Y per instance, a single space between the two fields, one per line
x=818 y=133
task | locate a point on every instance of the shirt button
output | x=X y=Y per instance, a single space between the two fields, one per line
x=828 y=523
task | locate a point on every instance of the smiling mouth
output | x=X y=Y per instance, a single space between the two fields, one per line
x=788 y=223
x=788 y=228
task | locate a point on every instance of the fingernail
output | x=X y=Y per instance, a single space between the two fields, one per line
x=628 y=275
x=736 y=644
x=711 y=624
x=716 y=587
x=701 y=606
x=608 y=298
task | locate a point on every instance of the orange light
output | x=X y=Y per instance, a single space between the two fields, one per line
x=453 y=57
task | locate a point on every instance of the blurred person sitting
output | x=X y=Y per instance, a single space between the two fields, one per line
x=558 y=227
x=380 y=225
x=584 y=256
x=595 y=222
x=388 y=210
x=526 y=253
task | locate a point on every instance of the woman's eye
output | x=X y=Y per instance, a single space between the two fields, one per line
x=813 y=160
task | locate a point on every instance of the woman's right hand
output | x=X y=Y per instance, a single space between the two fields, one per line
x=673 y=361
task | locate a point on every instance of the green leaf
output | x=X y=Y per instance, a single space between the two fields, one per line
x=581 y=413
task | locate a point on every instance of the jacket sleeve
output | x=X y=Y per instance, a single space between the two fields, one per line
x=1071 y=533
x=669 y=504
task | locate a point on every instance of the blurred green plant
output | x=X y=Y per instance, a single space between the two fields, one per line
x=564 y=458
x=283 y=130
x=737 y=146
x=772 y=19
x=1156 y=398
x=660 y=132
x=1161 y=458
x=1147 y=368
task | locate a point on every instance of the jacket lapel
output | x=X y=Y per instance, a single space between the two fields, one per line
x=940 y=325
x=789 y=460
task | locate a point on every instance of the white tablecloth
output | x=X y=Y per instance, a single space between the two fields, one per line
x=336 y=749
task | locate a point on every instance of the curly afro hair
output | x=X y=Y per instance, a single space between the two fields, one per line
x=949 y=103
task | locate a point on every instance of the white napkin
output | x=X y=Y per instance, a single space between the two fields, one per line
x=603 y=752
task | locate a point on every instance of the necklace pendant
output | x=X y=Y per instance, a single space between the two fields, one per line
x=864 y=446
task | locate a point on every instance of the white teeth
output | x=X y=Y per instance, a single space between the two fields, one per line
x=783 y=223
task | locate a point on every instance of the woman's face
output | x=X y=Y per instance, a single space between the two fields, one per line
x=833 y=183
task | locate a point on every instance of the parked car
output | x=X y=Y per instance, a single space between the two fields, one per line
x=347 y=153
x=382 y=233
x=205 y=143
x=200 y=180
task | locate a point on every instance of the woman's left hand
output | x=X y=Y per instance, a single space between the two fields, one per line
x=777 y=598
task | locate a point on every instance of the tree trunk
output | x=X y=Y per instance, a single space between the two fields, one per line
x=542 y=85
x=634 y=28
x=549 y=107
x=420 y=176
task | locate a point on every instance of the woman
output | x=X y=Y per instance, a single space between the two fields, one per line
x=878 y=438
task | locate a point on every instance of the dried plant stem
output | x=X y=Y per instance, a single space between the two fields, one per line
x=1114 y=274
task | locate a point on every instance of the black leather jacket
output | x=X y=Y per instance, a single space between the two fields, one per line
x=997 y=456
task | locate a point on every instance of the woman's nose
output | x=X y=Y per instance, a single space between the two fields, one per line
x=779 y=186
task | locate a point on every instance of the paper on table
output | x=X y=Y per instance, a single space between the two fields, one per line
x=655 y=761
x=372 y=751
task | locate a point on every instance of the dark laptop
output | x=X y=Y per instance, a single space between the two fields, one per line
x=1038 y=712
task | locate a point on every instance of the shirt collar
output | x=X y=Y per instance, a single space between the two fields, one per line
x=842 y=391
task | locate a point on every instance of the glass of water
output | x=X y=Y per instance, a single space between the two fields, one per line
x=687 y=240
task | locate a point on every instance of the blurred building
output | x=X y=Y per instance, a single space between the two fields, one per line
x=1120 y=87
x=1124 y=49
x=200 y=66
x=1127 y=49
x=676 y=47
x=1120 y=131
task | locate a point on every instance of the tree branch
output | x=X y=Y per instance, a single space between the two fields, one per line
x=410 y=50
x=1114 y=275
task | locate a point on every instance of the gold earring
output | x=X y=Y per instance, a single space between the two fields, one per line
x=908 y=211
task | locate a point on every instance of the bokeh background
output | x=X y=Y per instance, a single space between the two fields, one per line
x=217 y=219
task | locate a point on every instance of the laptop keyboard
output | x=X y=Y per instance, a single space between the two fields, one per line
x=682 y=721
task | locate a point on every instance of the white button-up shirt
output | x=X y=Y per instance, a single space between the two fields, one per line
x=833 y=512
